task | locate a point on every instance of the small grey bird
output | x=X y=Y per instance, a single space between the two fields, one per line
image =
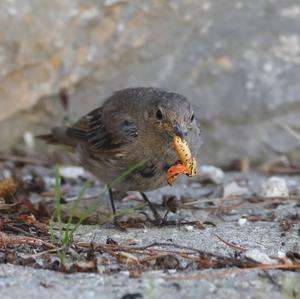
x=133 y=125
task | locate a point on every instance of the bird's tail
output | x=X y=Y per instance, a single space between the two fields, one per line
x=58 y=135
x=48 y=138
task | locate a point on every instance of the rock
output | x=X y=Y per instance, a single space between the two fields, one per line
x=233 y=189
x=275 y=187
x=29 y=141
x=188 y=228
x=259 y=257
x=281 y=254
x=211 y=173
x=72 y=172
x=241 y=76
x=242 y=221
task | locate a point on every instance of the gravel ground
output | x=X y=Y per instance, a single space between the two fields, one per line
x=25 y=282
x=266 y=235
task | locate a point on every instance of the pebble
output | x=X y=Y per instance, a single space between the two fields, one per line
x=29 y=141
x=189 y=228
x=211 y=173
x=281 y=254
x=275 y=187
x=260 y=257
x=242 y=221
x=233 y=189
x=72 y=172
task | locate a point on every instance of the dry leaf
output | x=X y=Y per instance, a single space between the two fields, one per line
x=7 y=187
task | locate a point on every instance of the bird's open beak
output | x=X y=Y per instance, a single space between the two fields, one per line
x=179 y=131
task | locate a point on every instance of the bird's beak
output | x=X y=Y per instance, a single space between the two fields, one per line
x=179 y=131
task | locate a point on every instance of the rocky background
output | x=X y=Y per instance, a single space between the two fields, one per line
x=237 y=61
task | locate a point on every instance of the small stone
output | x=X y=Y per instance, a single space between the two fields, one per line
x=49 y=181
x=29 y=141
x=260 y=257
x=268 y=67
x=281 y=254
x=125 y=273
x=211 y=173
x=113 y=2
x=233 y=189
x=6 y=173
x=291 y=12
x=242 y=221
x=72 y=172
x=206 y=6
x=189 y=228
x=275 y=187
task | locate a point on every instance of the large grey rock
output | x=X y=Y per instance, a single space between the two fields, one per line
x=237 y=61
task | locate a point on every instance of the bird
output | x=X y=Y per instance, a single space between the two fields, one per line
x=132 y=125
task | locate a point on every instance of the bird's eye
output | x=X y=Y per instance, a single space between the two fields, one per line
x=159 y=114
x=192 y=117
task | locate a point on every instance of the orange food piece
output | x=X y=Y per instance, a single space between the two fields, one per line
x=192 y=167
x=185 y=155
x=175 y=171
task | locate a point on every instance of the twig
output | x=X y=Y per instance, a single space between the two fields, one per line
x=17 y=229
x=241 y=248
x=4 y=206
x=13 y=240
x=157 y=244
x=46 y=252
x=148 y=249
x=290 y=130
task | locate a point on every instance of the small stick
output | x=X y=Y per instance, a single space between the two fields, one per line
x=6 y=240
x=290 y=130
x=231 y=244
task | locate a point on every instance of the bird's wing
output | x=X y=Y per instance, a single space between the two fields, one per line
x=104 y=132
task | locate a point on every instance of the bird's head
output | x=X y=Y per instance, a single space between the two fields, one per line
x=171 y=114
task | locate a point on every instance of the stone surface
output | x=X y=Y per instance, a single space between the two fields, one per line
x=237 y=61
x=262 y=238
x=21 y=282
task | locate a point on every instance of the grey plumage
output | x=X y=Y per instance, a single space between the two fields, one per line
x=134 y=124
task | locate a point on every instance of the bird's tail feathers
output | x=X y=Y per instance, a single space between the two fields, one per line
x=58 y=136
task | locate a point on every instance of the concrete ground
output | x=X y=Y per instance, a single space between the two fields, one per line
x=266 y=236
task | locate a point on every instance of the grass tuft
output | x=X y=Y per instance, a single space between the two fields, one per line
x=67 y=230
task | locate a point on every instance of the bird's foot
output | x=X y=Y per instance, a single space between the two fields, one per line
x=118 y=225
x=153 y=221
x=158 y=221
x=177 y=222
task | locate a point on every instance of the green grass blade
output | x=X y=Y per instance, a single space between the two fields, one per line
x=58 y=199
x=120 y=178
x=76 y=204
x=66 y=236
x=114 y=183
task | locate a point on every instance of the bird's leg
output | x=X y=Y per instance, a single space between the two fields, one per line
x=112 y=202
x=113 y=207
x=157 y=217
